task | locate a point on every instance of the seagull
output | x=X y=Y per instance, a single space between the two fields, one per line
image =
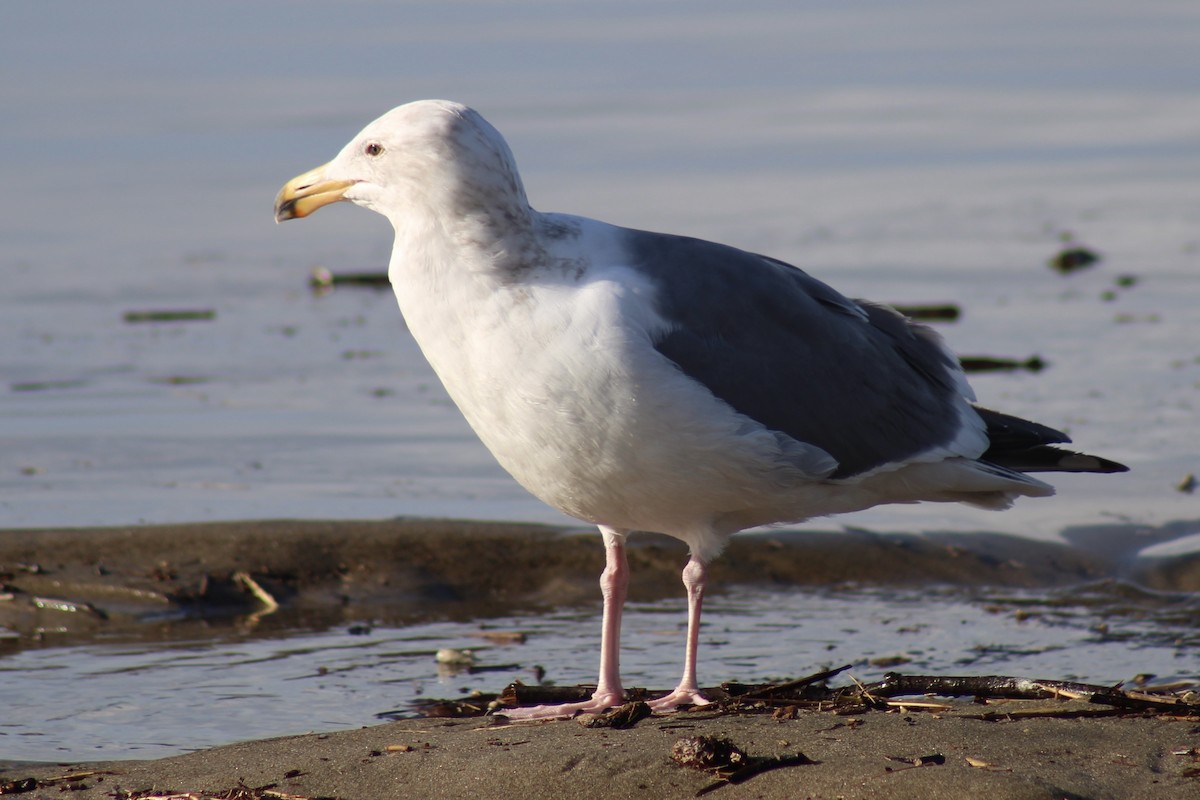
x=650 y=382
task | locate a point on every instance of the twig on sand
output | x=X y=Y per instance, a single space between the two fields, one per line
x=239 y=792
x=766 y=691
x=987 y=687
x=268 y=601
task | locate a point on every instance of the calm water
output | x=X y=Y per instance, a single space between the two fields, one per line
x=80 y=702
x=903 y=151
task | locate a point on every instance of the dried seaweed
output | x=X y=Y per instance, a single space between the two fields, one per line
x=625 y=716
x=785 y=699
x=728 y=762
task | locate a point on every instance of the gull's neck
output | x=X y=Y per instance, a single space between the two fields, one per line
x=489 y=235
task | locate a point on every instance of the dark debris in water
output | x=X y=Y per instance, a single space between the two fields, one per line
x=1074 y=258
x=1034 y=363
x=171 y=315
x=931 y=312
x=46 y=386
x=323 y=279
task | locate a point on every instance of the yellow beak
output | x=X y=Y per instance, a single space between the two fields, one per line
x=305 y=193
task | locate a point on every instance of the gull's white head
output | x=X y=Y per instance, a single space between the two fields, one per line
x=427 y=157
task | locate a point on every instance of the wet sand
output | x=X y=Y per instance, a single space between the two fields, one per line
x=866 y=756
x=113 y=579
x=110 y=581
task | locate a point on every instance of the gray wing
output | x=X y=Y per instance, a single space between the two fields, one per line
x=855 y=379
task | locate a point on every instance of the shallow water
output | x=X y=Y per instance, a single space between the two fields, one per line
x=147 y=700
x=905 y=152
x=908 y=153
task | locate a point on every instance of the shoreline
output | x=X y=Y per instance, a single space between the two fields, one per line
x=162 y=583
x=518 y=562
x=117 y=577
x=395 y=571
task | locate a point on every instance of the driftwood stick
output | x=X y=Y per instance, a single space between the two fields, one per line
x=1001 y=686
x=996 y=686
x=766 y=691
x=1144 y=702
x=519 y=694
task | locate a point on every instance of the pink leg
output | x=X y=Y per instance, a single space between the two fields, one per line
x=688 y=691
x=613 y=584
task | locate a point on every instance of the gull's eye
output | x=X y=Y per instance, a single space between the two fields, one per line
x=373 y=149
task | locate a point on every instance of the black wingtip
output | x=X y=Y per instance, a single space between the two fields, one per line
x=1045 y=458
x=1083 y=462
x=1026 y=446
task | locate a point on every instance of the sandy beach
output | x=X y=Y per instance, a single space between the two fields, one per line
x=949 y=754
x=1001 y=749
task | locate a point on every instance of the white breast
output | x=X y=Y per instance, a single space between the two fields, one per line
x=558 y=377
